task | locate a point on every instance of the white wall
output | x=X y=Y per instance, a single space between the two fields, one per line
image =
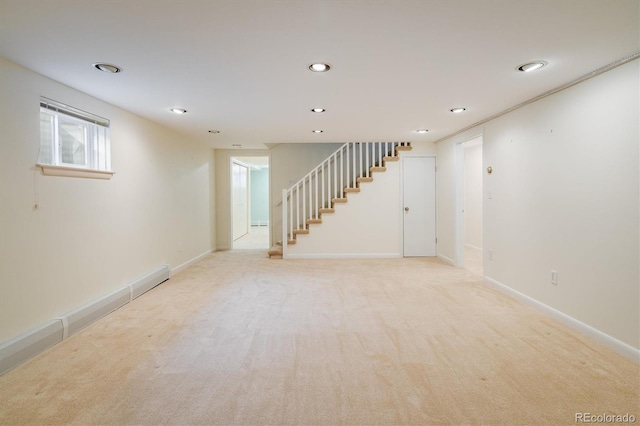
x=368 y=225
x=89 y=237
x=565 y=197
x=259 y=197
x=473 y=193
x=289 y=163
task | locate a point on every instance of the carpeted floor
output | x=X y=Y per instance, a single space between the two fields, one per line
x=241 y=339
x=257 y=238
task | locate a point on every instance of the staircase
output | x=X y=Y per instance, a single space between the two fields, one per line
x=342 y=173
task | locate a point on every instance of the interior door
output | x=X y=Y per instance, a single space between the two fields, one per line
x=240 y=194
x=419 y=196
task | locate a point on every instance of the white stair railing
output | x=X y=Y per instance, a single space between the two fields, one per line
x=321 y=186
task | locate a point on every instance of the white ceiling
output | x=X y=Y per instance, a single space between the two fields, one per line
x=240 y=66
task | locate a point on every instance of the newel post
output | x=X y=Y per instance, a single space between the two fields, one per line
x=285 y=239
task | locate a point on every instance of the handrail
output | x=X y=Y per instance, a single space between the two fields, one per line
x=312 y=170
x=328 y=181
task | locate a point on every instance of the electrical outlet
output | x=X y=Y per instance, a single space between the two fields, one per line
x=554 y=277
x=490 y=254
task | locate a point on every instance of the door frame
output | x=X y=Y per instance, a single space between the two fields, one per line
x=235 y=160
x=435 y=199
x=459 y=199
x=231 y=158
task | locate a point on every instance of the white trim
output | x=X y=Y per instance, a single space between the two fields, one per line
x=548 y=93
x=346 y=256
x=446 y=259
x=603 y=338
x=86 y=315
x=471 y=246
x=32 y=342
x=188 y=263
x=51 y=170
x=15 y=351
x=148 y=281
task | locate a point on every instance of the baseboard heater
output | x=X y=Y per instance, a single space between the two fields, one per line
x=29 y=344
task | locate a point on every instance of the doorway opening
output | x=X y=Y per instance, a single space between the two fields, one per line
x=250 y=202
x=470 y=201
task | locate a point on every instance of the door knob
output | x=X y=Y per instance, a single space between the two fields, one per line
x=406 y=209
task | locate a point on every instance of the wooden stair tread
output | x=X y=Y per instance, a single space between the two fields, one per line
x=364 y=179
x=403 y=148
x=396 y=158
x=378 y=169
x=346 y=190
x=310 y=221
x=339 y=200
x=291 y=242
x=323 y=211
x=275 y=251
x=300 y=231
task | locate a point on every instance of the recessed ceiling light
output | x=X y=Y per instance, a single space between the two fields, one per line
x=215 y=132
x=178 y=110
x=318 y=131
x=113 y=69
x=318 y=109
x=457 y=110
x=532 y=66
x=422 y=131
x=319 y=67
x=237 y=145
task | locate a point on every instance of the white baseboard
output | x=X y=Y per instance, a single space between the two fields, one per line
x=188 y=263
x=473 y=247
x=343 y=256
x=446 y=259
x=19 y=349
x=86 y=315
x=32 y=342
x=603 y=338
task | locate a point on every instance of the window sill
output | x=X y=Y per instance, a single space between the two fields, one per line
x=51 y=170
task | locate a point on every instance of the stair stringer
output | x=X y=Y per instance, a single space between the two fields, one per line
x=369 y=225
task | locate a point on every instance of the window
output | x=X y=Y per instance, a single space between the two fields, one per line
x=73 y=142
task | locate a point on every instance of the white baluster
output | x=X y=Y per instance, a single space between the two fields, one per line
x=366 y=164
x=324 y=175
x=355 y=157
x=341 y=174
x=285 y=225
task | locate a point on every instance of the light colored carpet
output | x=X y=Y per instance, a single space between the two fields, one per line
x=257 y=238
x=241 y=339
x=473 y=260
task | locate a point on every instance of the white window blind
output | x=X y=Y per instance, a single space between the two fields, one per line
x=72 y=138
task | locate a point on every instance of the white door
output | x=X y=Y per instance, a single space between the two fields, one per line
x=240 y=194
x=419 y=197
